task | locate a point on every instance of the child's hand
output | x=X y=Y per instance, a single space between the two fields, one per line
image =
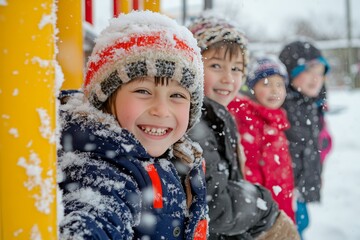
x=188 y=152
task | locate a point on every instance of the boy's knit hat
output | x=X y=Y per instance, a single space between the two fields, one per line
x=296 y=55
x=210 y=28
x=263 y=67
x=144 y=43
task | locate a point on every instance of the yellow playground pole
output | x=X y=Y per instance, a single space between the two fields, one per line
x=152 y=5
x=70 y=43
x=29 y=80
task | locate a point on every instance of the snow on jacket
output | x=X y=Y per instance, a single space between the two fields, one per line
x=303 y=136
x=112 y=188
x=234 y=204
x=268 y=160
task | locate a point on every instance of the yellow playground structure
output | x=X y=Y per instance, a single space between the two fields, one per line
x=41 y=52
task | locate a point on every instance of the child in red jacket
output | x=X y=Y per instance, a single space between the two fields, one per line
x=262 y=122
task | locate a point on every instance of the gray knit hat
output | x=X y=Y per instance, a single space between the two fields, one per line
x=144 y=43
x=210 y=28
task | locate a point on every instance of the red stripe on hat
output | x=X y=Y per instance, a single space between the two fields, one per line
x=201 y=230
x=143 y=41
x=156 y=183
x=182 y=45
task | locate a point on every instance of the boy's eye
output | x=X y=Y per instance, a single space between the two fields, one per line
x=215 y=65
x=178 y=95
x=142 y=91
x=236 y=69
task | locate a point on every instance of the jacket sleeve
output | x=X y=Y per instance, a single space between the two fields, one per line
x=306 y=162
x=99 y=202
x=235 y=207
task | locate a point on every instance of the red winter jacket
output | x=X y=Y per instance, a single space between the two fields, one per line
x=268 y=161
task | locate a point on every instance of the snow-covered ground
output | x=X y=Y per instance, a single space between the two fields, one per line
x=337 y=217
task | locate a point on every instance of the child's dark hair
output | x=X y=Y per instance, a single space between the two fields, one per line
x=232 y=48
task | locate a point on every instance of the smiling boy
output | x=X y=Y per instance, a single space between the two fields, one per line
x=127 y=169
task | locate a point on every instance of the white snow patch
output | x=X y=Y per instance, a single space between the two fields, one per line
x=276 y=189
x=271 y=131
x=249 y=172
x=29 y=144
x=127 y=147
x=148 y=219
x=14 y=132
x=35 y=233
x=247 y=200
x=59 y=77
x=45 y=128
x=59 y=204
x=15 y=92
x=46 y=185
x=41 y=62
x=277 y=159
x=18 y=232
x=47 y=19
x=248 y=137
x=5 y=116
x=261 y=204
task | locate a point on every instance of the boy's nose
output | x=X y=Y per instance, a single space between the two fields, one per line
x=227 y=78
x=160 y=108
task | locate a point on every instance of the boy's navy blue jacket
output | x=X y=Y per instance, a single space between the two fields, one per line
x=112 y=188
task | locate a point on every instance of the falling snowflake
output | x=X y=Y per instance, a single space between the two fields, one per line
x=277 y=159
x=261 y=204
x=276 y=190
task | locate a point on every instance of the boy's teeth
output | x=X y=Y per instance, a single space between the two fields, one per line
x=223 y=92
x=154 y=131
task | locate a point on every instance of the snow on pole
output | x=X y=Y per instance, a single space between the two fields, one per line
x=70 y=43
x=29 y=81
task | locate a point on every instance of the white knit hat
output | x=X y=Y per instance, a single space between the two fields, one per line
x=144 y=43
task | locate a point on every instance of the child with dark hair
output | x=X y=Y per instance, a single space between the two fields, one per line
x=307 y=68
x=128 y=170
x=262 y=123
x=237 y=209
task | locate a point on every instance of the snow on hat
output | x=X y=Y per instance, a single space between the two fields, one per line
x=210 y=28
x=265 y=66
x=144 y=43
x=296 y=55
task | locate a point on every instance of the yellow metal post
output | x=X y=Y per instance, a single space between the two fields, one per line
x=121 y=6
x=152 y=5
x=70 y=57
x=28 y=83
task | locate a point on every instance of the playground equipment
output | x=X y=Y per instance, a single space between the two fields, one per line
x=41 y=47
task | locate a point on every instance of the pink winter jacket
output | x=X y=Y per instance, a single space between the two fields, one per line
x=268 y=161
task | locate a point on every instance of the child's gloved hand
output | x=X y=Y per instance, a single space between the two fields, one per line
x=188 y=152
x=188 y=155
